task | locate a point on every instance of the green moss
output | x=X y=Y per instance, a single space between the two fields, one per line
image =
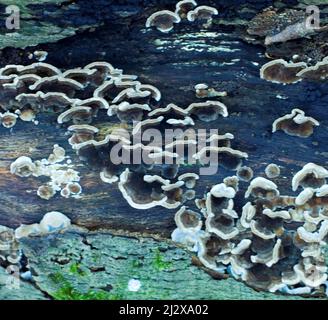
x=75 y=268
x=159 y=262
x=67 y=292
x=57 y=278
x=136 y=264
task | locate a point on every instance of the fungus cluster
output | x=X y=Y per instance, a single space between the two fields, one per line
x=11 y=256
x=276 y=243
x=82 y=95
x=53 y=221
x=204 y=91
x=188 y=10
x=62 y=178
x=281 y=71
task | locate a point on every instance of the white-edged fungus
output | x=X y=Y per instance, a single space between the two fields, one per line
x=232 y=181
x=79 y=115
x=311 y=175
x=296 y=124
x=314 y=237
x=202 y=13
x=81 y=133
x=57 y=84
x=203 y=91
x=312 y=275
x=183 y=7
x=280 y=71
x=141 y=194
x=208 y=111
x=23 y=167
x=74 y=188
x=269 y=256
x=304 y=196
x=220 y=214
x=262 y=188
x=163 y=20
x=227 y=157
x=27 y=115
x=58 y=154
x=188 y=220
x=272 y=171
x=40 y=69
x=248 y=213
x=189 y=179
x=127 y=112
x=46 y=192
x=245 y=173
x=8 y=119
x=319 y=72
x=24 y=231
x=54 y=221
x=40 y=55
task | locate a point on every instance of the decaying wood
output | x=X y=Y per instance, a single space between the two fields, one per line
x=174 y=63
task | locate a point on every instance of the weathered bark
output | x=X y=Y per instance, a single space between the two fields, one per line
x=106 y=263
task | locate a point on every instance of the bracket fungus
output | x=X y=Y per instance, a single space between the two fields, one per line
x=272 y=171
x=183 y=7
x=228 y=158
x=10 y=253
x=57 y=84
x=51 y=101
x=81 y=133
x=190 y=179
x=311 y=176
x=163 y=20
x=46 y=192
x=27 y=115
x=318 y=72
x=220 y=214
x=232 y=181
x=188 y=220
x=133 y=95
x=83 y=76
x=53 y=221
x=280 y=71
x=78 y=115
x=202 y=13
x=24 y=231
x=144 y=193
x=245 y=173
x=263 y=188
x=40 y=69
x=223 y=140
x=203 y=91
x=23 y=167
x=208 y=111
x=8 y=119
x=296 y=124
x=127 y=112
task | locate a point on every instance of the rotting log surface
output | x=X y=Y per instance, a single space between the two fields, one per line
x=174 y=63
